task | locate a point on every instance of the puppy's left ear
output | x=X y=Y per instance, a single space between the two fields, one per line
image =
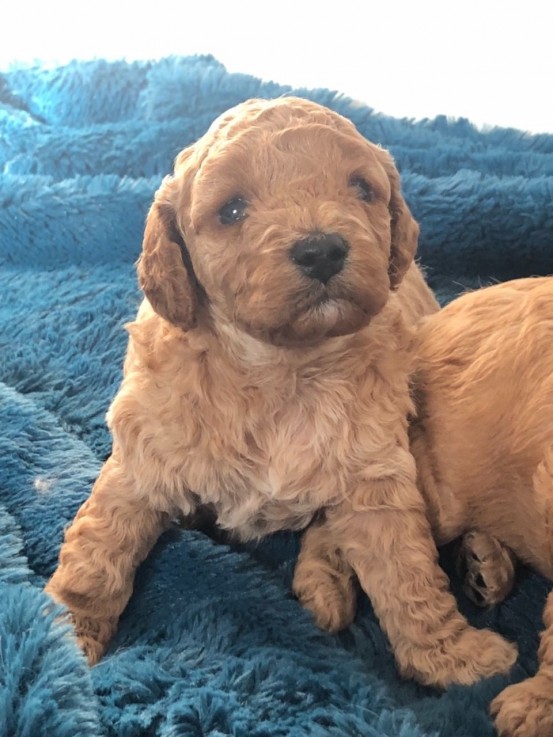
x=165 y=272
x=405 y=229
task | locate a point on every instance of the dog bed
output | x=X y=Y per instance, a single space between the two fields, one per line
x=212 y=642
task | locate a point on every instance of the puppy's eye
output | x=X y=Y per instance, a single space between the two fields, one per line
x=233 y=211
x=364 y=190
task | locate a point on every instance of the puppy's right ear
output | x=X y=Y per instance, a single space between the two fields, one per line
x=165 y=272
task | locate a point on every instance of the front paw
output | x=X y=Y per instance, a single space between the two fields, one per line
x=92 y=634
x=92 y=623
x=525 y=709
x=331 y=599
x=93 y=649
x=463 y=659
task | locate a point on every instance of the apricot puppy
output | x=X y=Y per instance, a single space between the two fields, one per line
x=484 y=449
x=267 y=379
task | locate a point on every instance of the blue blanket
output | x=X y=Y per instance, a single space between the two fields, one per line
x=212 y=642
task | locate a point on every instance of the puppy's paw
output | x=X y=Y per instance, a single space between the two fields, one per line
x=465 y=659
x=331 y=599
x=525 y=709
x=92 y=649
x=91 y=634
x=488 y=568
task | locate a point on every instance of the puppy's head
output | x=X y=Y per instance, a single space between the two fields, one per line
x=282 y=218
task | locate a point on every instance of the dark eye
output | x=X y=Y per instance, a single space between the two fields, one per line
x=364 y=190
x=233 y=211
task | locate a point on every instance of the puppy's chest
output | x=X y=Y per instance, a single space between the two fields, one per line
x=264 y=467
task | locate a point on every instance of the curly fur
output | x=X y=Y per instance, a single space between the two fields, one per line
x=272 y=399
x=484 y=446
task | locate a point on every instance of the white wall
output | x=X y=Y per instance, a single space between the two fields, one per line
x=487 y=60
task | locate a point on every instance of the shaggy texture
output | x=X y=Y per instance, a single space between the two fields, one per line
x=212 y=643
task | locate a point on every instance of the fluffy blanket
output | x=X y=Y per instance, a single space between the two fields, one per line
x=212 y=642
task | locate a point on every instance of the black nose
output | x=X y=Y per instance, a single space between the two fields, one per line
x=320 y=256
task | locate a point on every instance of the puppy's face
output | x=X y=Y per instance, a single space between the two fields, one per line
x=284 y=219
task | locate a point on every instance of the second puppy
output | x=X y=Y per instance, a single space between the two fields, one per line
x=483 y=443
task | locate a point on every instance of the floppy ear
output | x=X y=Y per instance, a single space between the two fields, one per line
x=405 y=229
x=165 y=272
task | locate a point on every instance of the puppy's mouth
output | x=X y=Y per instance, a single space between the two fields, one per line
x=320 y=299
x=332 y=314
x=326 y=308
x=323 y=311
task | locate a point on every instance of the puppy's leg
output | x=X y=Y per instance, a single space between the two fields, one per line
x=111 y=534
x=526 y=709
x=323 y=581
x=488 y=568
x=386 y=538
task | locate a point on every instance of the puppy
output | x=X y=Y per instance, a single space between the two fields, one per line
x=267 y=379
x=483 y=443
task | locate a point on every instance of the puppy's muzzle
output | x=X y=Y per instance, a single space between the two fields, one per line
x=320 y=256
